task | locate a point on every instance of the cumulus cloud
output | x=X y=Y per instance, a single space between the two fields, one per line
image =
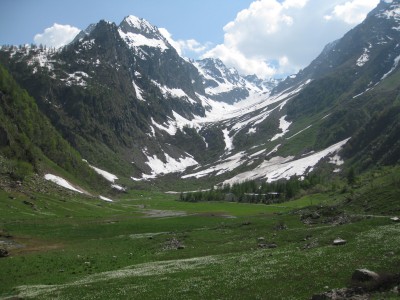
x=279 y=37
x=185 y=47
x=56 y=35
x=352 y=12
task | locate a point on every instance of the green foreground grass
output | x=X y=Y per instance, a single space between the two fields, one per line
x=80 y=248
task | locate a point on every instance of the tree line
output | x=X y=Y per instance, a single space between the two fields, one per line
x=256 y=191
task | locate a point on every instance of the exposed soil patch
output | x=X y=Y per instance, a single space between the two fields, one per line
x=20 y=246
x=156 y=213
x=215 y=214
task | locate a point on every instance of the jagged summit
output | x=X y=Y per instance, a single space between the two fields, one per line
x=387 y=10
x=84 y=33
x=227 y=85
x=137 y=32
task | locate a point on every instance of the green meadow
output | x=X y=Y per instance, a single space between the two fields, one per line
x=149 y=245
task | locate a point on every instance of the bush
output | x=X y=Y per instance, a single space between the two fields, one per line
x=19 y=169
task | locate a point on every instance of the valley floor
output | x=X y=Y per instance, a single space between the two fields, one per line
x=151 y=246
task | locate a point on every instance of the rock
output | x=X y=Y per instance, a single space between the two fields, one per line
x=339 y=242
x=315 y=216
x=246 y=223
x=173 y=244
x=395 y=219
x=341 y=294
x=311 y=244
x=261 y=239
x=280 y=226
x=364 y=275
x=3 y=252
x=267 y=246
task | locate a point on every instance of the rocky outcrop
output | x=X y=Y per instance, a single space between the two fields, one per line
x=364 y=284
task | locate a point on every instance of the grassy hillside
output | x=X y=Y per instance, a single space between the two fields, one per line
x=29 y=142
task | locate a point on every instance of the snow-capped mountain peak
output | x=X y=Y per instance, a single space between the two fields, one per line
x=227 y=85
x=138 y=32
x=139 y=25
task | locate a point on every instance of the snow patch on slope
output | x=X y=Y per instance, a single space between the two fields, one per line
x=174 y=92
x=138 y=91
x=76 y=78
x=105 y=199
x=283 y=126
x=107 y=175
x=228 y=164
x=363 y=59
x=228 y=140
x=171 y=165
x=134 y=40
x=395 y=64
x=61 y=182
x=285 y=167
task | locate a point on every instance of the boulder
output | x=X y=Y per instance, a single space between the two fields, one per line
x=364 y=275
x=395 y=219
x=3 y=252
x=339 y=242
x=267 y=246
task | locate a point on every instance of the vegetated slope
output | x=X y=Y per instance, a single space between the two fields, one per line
x=28 y=140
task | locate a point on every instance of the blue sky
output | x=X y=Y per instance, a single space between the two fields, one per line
x=203 y=20
x=263 y=37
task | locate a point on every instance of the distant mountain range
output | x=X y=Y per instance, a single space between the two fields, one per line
x=125 y=101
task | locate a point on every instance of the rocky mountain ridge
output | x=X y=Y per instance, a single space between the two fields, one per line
x=130 y=104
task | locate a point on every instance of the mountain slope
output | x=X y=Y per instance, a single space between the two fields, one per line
x=126 y=100
x=346 y=74
x=116 y=85
x=28 y=138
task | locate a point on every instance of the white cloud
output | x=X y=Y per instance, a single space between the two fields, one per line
x=248 y=65
x=352 y=12
x=278 y=37
x=184 y=47
x=57 y=35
